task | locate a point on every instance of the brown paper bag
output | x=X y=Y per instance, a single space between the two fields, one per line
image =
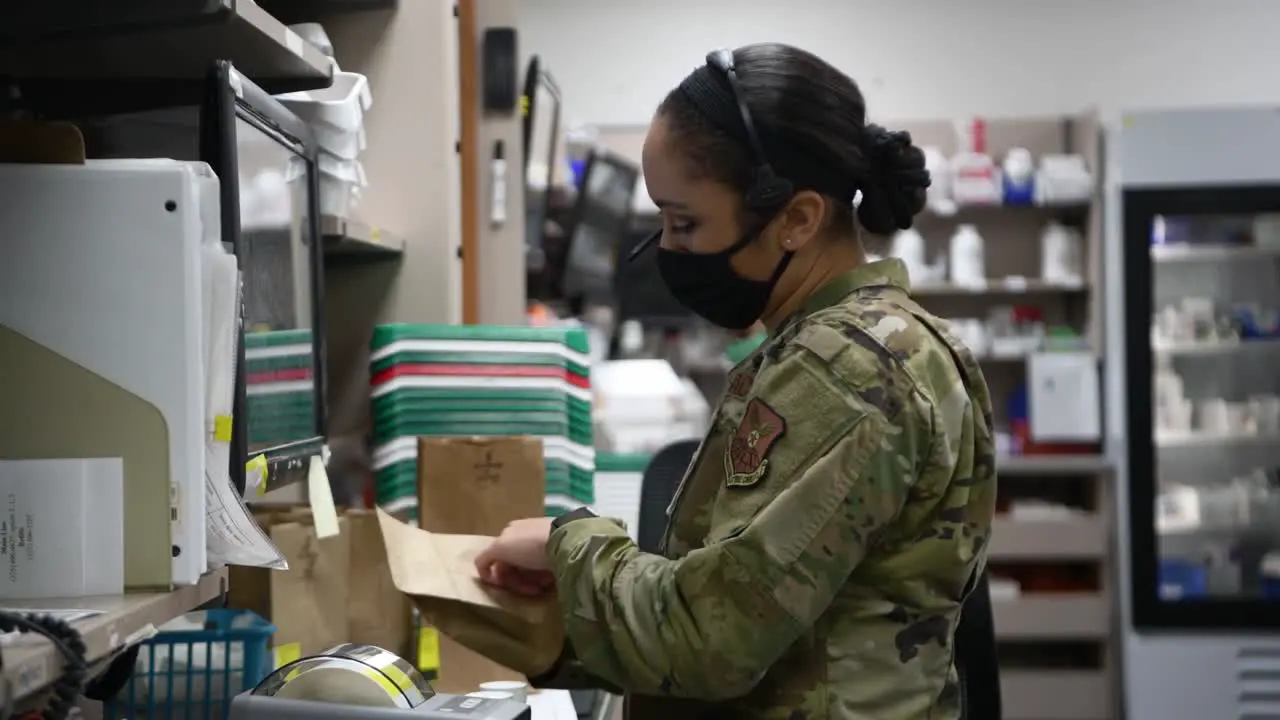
x=308 y=602
x=438 y=572
x=377 y=613
x=475 y=486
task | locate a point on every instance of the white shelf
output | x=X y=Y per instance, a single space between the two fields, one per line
x=1047 y=465
x=31 y=663
x=1197 y=439
x=1077 y=538
x=1210 y=253
x=1053 y=617
x=998 y=287
x=1225 y=347
x=1056 y=695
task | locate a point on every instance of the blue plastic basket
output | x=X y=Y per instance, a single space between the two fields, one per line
x=193 y=674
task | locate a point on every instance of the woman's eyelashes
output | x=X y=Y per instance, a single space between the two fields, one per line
x=682 y=226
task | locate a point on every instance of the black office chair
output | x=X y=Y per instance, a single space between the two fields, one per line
x=975 y=638
x=976 y=658
x=658 y=486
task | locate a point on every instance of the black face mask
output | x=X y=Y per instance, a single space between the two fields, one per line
x=706 y=284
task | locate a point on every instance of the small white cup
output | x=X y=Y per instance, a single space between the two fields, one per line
x=517 y=690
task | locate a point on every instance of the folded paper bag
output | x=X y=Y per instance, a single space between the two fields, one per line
x=438 y=573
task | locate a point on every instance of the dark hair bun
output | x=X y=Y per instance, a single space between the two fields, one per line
x=894 y=191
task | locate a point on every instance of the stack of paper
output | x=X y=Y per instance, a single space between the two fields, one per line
x=451 y=380
x=279 y=387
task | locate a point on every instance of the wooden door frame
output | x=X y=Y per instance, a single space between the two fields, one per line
x=469 y=160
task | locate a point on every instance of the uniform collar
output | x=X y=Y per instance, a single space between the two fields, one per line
x=889 y=272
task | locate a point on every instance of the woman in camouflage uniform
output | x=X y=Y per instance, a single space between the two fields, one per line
x=833 y=520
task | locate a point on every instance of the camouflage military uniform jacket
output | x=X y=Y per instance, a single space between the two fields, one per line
x=822 y=540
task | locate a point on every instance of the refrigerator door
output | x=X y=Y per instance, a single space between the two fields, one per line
x=1203 y=307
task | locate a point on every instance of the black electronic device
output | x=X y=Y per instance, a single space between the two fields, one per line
x=498 y=69
x=280 y=382
x=259 y=149
x=601 y=217
x=541 y=128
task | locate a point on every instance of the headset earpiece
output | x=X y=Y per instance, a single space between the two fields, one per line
x=769 y=190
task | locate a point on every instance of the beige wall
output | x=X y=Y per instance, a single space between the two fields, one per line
x=502 y=280
x=410 y=56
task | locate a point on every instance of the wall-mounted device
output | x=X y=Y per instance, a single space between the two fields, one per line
x=541 y=129
x=498 y=69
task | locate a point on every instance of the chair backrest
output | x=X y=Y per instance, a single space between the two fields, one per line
x=657 y=486
x=975 y=638
x=976 y=658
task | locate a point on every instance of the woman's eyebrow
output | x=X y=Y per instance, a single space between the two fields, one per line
x=669 y=204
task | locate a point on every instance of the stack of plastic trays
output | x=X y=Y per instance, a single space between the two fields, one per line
x=481 y=380
x=279 y=387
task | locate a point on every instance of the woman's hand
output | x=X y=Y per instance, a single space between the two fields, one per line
x=517 y=559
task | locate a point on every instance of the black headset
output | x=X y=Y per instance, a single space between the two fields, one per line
x=768 y=190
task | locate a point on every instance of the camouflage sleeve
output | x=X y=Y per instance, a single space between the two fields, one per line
x=833 y=461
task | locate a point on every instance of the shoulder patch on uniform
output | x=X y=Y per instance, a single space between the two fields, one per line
x=746 y=458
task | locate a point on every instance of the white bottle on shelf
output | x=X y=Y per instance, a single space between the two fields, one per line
x=909 y=247
x=938 y=200
x=1019 y=177
x=975 y=179
x=1060 y=254
x=968 y=260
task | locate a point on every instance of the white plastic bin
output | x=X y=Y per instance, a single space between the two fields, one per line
x=341 y=105
x=344 y=144
x=340 y=182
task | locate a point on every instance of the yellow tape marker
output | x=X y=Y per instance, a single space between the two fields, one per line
x=285 y=654
x=428 y=649
x=222 y=428
x=258 y=466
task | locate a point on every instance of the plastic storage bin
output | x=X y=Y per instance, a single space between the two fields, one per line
x=193 y=674
x=341 y=105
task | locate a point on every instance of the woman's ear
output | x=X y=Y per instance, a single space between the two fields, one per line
x=802 y=220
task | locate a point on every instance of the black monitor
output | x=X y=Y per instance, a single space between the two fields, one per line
x=280 y=381
x=601 y=217
x=541 y=107
x=266 y=161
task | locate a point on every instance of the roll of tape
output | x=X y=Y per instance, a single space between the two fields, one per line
x=350 y=674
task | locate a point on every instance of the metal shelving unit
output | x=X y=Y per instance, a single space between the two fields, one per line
x=351 y=240
x=32 y=663
x=103 y=58
x=1067 y=621
x=300 y=11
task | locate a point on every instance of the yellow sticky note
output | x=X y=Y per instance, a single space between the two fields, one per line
x=428 y=650
x=222 y=428
x=324 y=514
x=255 y=473
x=285 y=654
x=375 y=236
